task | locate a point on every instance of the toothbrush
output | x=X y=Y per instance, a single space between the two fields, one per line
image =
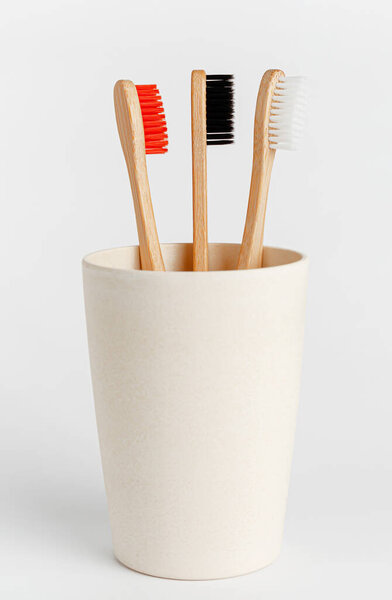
x=142 y=129
x=278 y=123
x=212 y=111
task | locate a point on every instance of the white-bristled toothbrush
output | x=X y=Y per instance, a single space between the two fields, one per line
x=278 y=125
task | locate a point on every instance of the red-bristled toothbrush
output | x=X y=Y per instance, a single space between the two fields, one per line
x=142 y=129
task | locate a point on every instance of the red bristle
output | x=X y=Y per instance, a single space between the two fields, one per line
x=154 y=122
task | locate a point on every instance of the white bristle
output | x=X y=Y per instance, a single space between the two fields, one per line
x=287 y=114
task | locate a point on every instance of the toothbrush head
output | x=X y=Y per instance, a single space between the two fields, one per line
x=287 y=113
x=220 y=109
x=154 y=122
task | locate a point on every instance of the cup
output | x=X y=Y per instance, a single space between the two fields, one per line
x=196 y=381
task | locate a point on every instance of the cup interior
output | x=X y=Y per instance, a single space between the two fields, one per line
x=178 y=257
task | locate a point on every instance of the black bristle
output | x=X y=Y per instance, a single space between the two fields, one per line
x=220 y=109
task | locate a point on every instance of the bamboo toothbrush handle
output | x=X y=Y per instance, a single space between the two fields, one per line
x=131 y=132
x=251 y=251
x=199 y=170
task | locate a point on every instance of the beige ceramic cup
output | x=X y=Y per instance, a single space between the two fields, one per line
x=196 y=380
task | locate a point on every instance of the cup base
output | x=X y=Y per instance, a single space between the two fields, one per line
x=179 y=577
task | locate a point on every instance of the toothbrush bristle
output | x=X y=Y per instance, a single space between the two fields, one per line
x=287 y=113
x=154 y=122
x=220 y=109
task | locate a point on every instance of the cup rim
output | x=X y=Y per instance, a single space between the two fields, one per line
x=87 y=263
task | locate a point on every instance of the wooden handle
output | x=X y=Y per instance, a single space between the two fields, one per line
x=131 y=132
x=251 y=251
x=199 y=170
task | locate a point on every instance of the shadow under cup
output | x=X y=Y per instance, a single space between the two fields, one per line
x=196 y=382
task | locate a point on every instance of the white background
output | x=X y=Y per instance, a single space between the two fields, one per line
x=65 y=192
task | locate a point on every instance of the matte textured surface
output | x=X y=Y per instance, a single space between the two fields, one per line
x=196 y=381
